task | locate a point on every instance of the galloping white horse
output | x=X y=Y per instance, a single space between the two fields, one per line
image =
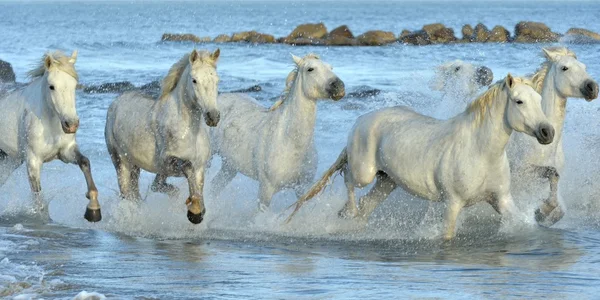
x=460 y=160
x=38 y=124
x=459 y=82
x=559 y=77
x=275 y=146
x=167 y=136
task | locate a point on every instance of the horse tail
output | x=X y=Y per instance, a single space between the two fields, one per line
x=341 y=161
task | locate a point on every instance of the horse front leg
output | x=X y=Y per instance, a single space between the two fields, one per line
x=195 y=178
x=549 y=211
x=265 y=194
x=454 y=207
x=34 y=169
x=73 y=156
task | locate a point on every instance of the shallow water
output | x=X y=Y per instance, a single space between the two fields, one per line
x=151 y=251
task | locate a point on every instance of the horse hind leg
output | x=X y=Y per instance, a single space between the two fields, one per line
x=160 y=185
x=125 y=176
x=350 y=209
x=383 y=187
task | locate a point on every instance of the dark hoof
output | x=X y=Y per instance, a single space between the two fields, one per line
x=548 y=220
x=195 y=218
x=93 y=215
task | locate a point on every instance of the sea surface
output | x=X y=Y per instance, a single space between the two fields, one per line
x=151 y=251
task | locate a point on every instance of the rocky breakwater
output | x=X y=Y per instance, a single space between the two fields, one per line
x=317 y=34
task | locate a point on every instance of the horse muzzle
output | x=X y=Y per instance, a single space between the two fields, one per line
x=484 y=76
x=70 y=127
x=336 y=89
x=212 y=118
x=589 y=89
x=545 y=134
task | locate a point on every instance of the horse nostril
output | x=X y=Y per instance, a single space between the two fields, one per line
x=545 y=133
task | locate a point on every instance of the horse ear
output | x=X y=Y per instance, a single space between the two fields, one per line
x=215 y=55
x=48 y=61
x=510 y=81
x=296 y=59
x=550 y=55
x=193 y=56
x=73 y=58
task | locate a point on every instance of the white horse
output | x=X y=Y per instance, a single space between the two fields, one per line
x=38 y=124
x=460 y=160
x=275 y=146
x=167 y=136
x=559 y=77
x=459 y=82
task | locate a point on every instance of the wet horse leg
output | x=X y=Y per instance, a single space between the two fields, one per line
x=124 y=176
x=550 y=211
x=383 y=187
x=34 y=169
x=454 y=207
x=222 y=179
x=195 y=178
x=350 y=209
x=160 y=185
x=7 y=166
x=265 y=194
x=72 y=155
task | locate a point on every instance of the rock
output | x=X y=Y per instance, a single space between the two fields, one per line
x=480 y=34
x=442 y=36
x=306 y=42
x=252 y=89
x=404 y=33
x=364 y=93
x=342 y=31
x=222 y=38
x=176 y=37
x=7 y=75
x=534 y=32
x=418 y=38
x=468 y=32
x=340 y=41
x=376 y=38
x=308 y=31
x=499 y=34
x=253 y=37
x=205 y=39
x=111 y=87
x=580 y=36
x=431 y=28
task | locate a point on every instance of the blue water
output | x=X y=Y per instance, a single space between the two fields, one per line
x=152 y=252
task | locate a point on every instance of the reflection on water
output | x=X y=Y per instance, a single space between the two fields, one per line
x=529 y=263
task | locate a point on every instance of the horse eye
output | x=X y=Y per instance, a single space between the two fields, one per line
x=457 y=69
x=519 y=102
x=194 y=81
x=311 y=69
x=564 y=68
x=52 y=87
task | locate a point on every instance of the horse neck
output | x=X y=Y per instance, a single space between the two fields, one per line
x=185 y=102
x=38 y=99
x=554 y=106
x=297 y=115
x=493 y=133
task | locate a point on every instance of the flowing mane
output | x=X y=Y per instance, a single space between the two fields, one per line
x=61 y=61
x=480 y=106
x=289 y=80
x=176 y=71
x=540 y=74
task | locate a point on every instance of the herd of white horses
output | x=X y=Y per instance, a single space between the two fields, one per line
x=461 y=159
